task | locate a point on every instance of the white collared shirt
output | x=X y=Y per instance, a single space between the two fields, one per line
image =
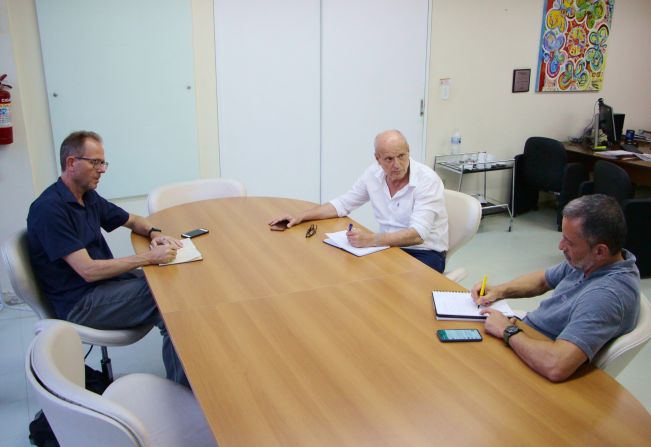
x=419 y=205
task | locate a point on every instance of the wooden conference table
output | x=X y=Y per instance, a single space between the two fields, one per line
x=288 y=341
x=639 y=171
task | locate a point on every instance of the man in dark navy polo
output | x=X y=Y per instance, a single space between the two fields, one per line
x=73 y=262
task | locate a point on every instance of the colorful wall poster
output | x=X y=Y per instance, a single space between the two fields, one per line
x=573 y=45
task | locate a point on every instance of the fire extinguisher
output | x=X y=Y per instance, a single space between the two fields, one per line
x=6 y=131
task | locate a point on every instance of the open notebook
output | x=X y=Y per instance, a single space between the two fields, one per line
x=340 y=240
x=460 y=306
x=187 y=253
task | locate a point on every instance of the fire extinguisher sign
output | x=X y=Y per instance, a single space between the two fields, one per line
x=5 y=115
x=6 y=131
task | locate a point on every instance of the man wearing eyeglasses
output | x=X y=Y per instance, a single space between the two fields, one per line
x=407 y=199
x=73 y=262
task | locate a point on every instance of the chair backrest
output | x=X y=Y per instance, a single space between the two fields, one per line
x=612 y=180
x=15 y=255
x=618 y=353
x=55 y=369
x=464 y=216
x=185 y=192
x=544 y=163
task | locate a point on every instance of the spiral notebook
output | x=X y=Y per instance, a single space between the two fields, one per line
x=460 y=306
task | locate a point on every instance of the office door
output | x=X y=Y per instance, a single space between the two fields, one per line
x=374 y=65
x=124 y=69
x=303 y=87
x=267 y=56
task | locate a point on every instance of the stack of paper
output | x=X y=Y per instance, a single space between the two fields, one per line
x=460 y=306
x=617 y=153
x=340 y=240
x=187 y=253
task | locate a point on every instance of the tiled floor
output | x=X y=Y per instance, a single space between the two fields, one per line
x=502 y=255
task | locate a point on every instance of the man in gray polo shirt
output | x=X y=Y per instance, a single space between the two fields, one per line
x=595 y=298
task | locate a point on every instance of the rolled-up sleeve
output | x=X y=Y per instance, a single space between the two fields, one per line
x=428 y=201
x=357 y=196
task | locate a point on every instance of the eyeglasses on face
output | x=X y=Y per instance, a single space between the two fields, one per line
x=96 y=162
x=311 y=231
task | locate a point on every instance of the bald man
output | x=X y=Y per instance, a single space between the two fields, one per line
x=407 y=199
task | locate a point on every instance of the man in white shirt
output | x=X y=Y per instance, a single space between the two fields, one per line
x=407 y=199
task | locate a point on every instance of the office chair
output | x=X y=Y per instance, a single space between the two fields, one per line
x=185 y=192
x=543 y=166
x=15 y=255
x=608 y=179
x=614 y=181
x=618 y=353
x=464 y=216
x=136 y=410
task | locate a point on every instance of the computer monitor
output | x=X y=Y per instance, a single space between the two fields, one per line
x=605 y=122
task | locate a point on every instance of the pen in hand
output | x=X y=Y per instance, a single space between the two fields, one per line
x=483 y=288
x=350 y=227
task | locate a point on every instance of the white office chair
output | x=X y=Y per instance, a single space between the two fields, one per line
x=185 y=192
x=15 y=254
x=464 y=216
x=135 y=410
x=618 y=353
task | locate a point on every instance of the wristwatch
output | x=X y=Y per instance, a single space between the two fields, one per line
x=509 y=332
x=152 y=230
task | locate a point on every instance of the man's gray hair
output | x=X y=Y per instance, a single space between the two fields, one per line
x=602 y=220
x=73 y=145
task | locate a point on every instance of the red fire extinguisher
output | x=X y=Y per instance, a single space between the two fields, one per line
x=6 y=131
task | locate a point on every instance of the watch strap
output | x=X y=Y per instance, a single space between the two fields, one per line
x=152 y=229
x=509 y=332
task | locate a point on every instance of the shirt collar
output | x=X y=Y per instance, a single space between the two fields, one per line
x=67 y=195
x=624 y=266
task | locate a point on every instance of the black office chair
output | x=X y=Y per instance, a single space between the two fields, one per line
x=609 y=179
x=614 y=181
x=543 y=166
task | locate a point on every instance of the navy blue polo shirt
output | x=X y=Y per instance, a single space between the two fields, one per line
x=58 y=225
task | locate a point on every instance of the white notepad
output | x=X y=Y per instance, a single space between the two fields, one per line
x=340 y=240
x=460 y=306
x=187 y=253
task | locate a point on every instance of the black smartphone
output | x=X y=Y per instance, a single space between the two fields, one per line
x=281 y=225
x=194 y=233
x=453 y=335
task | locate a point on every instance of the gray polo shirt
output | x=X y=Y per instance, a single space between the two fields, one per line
x=589 y=312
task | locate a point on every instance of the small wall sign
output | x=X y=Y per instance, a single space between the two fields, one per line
x=521 y=80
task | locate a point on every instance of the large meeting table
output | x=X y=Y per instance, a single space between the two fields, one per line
x=288 y=341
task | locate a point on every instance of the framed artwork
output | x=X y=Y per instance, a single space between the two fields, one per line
x=573 y=45
x=521 y=80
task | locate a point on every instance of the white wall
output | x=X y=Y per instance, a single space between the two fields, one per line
x=475 y=42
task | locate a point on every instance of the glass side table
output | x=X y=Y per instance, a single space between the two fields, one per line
x=475 y=163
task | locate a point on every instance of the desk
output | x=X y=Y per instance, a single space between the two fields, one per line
x=639 y=171
x=288 y=341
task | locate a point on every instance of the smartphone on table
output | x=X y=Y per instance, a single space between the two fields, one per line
x=194 y=233
x=458 y=335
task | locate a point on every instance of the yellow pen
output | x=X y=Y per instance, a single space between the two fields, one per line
x=483 y=288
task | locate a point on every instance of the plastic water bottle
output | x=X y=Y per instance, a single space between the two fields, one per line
x=455 y=142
